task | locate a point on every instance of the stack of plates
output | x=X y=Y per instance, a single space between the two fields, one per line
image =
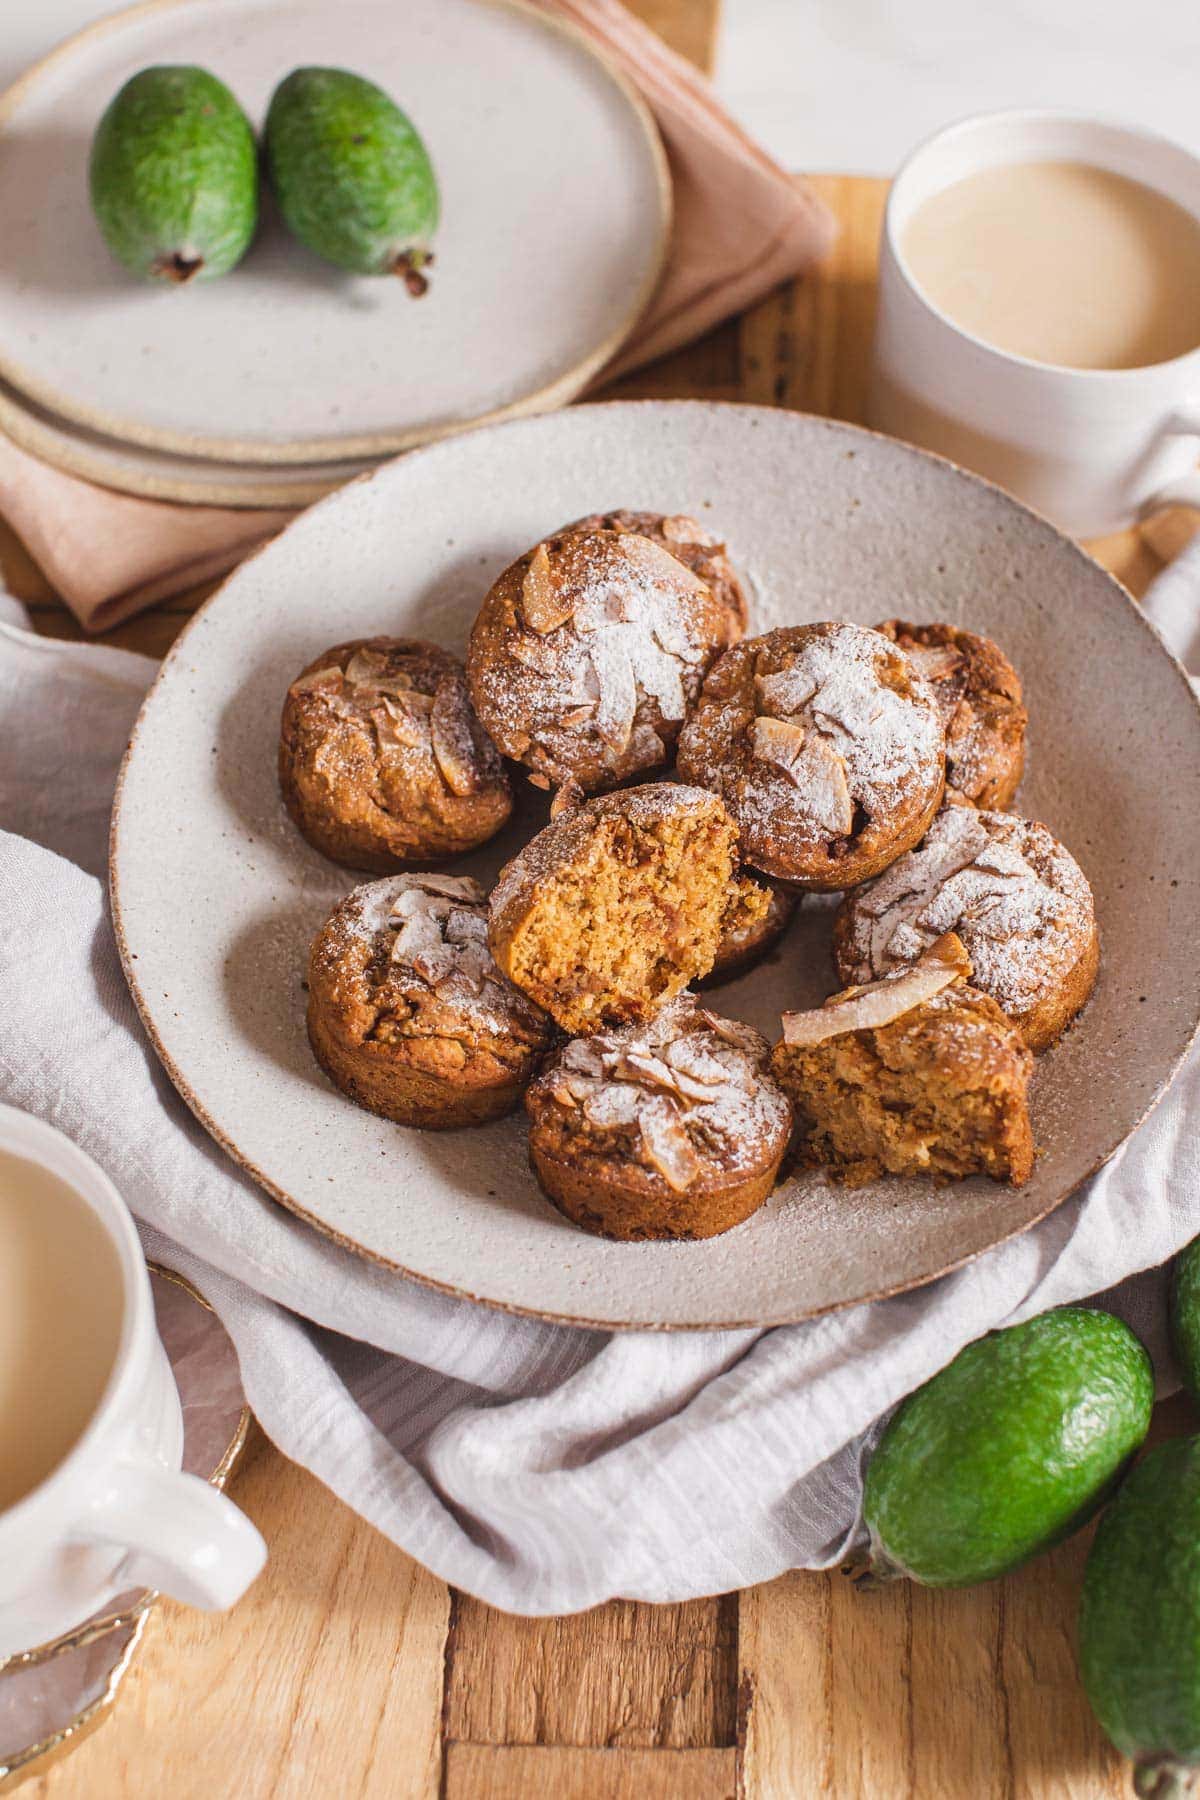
x=286 y=377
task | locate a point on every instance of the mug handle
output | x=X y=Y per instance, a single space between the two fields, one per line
x=184 y=1537
x=1185 y=489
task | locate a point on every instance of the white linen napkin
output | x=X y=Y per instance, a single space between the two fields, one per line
x=541 y=1468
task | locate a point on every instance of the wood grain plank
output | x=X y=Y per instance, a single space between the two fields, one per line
x=911 y=1694
x=916 y=1694
x=1056 y=1745
x=784 y=1698
x=325 y=1680
x=622 y=1674
x=826 y=1689
x=493 y=1772
x=808 y=344
x=959 y=1705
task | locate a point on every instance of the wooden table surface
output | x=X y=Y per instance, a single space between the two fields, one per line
x=349 y=1671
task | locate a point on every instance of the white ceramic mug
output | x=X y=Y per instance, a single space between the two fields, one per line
x=1091 y=449
x=116 y=1513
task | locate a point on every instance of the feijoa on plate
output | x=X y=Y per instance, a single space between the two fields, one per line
x=351 y=175
x=173 y=176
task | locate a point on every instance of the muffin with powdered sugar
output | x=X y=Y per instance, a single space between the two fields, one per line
x=382 y=762
x=1014 y=895
x=826 y=746
x=407 y=1012
x=670 y=1127
x=587 y=652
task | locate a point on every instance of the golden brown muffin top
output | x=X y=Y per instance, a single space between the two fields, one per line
x=586 y=653
x=685 y=538
x=411 y=698
x=408 y=957
x=1018 y=900
x=822 y=739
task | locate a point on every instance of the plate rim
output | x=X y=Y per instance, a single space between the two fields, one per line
x=281 y=1195
x=563 y=387
x=62 y=450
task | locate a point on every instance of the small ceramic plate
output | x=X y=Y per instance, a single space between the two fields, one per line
x=216 y=896
x=555 y=214
x=159 y=475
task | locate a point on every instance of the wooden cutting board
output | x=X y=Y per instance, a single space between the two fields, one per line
x=350 y=1671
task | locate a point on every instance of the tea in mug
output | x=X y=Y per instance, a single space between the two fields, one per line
x=1061 y=262
x=61 y=1308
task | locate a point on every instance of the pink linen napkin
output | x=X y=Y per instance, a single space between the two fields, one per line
x=741 y=226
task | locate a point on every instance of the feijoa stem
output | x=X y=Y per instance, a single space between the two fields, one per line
x=177 y=267
x=409 y=268
x=1161 y=1777
x=871 y=1569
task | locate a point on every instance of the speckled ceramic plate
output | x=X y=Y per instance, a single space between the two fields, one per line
x=216 y=896
x=555 y=216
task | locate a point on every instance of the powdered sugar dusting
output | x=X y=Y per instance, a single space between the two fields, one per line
x=823 y=741
x=692 y=543
x=616 y=636
x=434 y=931
x=685 y=1093
x=832 y=686
x=1018 y=900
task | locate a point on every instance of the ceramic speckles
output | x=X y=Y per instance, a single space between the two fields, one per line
x=217 y=896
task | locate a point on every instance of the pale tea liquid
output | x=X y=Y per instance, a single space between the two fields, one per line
x=60 y=1322
x=1061 y=263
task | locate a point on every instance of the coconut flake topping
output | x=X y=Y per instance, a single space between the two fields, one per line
x=689 y=1086
x=440 y=940
x=1020 y=903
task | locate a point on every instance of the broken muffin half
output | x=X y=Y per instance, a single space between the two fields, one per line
x=619 y=903
x=916 y=1074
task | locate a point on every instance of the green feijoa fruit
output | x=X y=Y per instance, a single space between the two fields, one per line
x=1007 y=1451
x=353 y=180
x=174 y=176
x=1185 y=1316
x=1139 y=1619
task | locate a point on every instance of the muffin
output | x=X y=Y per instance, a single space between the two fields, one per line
x=687 y=540
x=748 y=932
x=382 y=761
x=587 y=652
x=978 y=695
x=616 y=906
x=1018 y=900
x=668 y=1128
x=916 y=1074
x=825 y=745
x=407 y=1012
